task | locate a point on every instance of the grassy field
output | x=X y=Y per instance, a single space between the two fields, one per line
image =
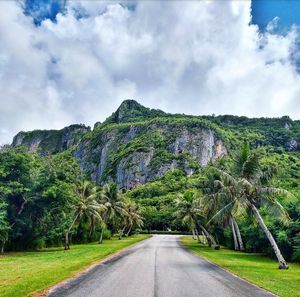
x=25 y=273
x=257 y=269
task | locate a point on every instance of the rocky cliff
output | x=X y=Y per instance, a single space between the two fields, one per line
x=135 y=153
x=137 y=144
x=51 y=141
x=134 y=145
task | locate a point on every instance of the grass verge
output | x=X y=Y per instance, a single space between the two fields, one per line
x=254 y=268
x=26 y=273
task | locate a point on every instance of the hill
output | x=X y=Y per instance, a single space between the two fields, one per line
x=136 y=144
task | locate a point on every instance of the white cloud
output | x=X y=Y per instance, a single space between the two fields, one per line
x=197 y=57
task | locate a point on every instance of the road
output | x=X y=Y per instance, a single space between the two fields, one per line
x=157 y=267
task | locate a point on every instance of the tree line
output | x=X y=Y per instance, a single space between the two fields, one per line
x=228 y=193
x=45 y=201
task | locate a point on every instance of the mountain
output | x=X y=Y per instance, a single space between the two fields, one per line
x=136 y=144
x=51 y=141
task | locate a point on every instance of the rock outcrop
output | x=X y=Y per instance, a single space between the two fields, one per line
x=134 y=154
x=292 y=144
x=137 y=144
x=51 y=141
x=134 y=145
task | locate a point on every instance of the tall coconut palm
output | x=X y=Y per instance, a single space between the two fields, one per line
x=218 y=195
x=86 y=206
x=134 y=218
x=190 y=212
x=250 y=189
x=115 y=208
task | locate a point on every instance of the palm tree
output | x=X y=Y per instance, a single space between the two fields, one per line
x=190 y=212
x=115 y=208
x=187 y=213
x=250 y=189
x=134 y=218
x=219 y=195
x=86 y=206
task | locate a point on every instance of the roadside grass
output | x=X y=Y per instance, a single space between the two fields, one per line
x=26 y=273
x=254 y=268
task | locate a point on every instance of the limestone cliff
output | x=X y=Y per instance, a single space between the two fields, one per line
x=136 y=144
x=133 y=153
x=50 y=141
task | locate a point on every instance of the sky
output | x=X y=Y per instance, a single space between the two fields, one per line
x=65 y=62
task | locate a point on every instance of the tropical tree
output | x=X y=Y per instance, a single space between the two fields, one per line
x=218 y=200
x=190 y=211
x=115 y=208
x=134 y=218
x=4 y=225
x=249 y=187
x=86 y=206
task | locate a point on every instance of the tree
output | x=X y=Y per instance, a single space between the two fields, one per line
x=16 y=169
x=134 y=218
x=86 y=206
x=4 y=225
x=190 y=211
x=218 y=201
x=54 y=190
x=250 y=188
x=115 y=208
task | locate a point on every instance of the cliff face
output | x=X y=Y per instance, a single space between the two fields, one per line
x=137 y=144
x=187 y=151
x=135 y=153
x=51 y=141
x=133 y=146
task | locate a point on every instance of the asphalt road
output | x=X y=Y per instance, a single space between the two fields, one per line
x=157 y=267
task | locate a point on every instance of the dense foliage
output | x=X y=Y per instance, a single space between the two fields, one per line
x=44 y=200
x=158 y=201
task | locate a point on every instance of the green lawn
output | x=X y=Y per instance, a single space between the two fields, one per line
x=24 y=273
x=257 y=269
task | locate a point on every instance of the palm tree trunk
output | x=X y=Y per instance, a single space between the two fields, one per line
x=121 y=233
x=197 y=234
x=207 y=239
x=91 y=230
x=101 y=236
x=236 y=245
x=203 y=237
x=194 y=236
x=67 y=244
x=238 y=234
x=282 y=263
x=127 y=234
x=210 y=238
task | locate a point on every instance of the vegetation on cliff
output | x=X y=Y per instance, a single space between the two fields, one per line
x=155 y=158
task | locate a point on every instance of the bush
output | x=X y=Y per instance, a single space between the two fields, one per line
x=106 y=234
x=296 y=254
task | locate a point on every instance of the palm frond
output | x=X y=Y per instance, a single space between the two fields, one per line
x=222 y=211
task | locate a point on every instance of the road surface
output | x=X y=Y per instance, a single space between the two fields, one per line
x=157 y=267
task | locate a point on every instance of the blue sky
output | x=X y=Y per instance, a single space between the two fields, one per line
x=192 y=57
x=263 y=11
x=44 y=9
x=288 y=11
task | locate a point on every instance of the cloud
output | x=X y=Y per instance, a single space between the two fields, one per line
x=197 y=57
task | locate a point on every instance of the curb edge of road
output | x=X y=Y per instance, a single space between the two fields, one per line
x=84 y=271
x=235 y=275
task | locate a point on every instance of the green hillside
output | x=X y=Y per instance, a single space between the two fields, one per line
x=155 y=158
